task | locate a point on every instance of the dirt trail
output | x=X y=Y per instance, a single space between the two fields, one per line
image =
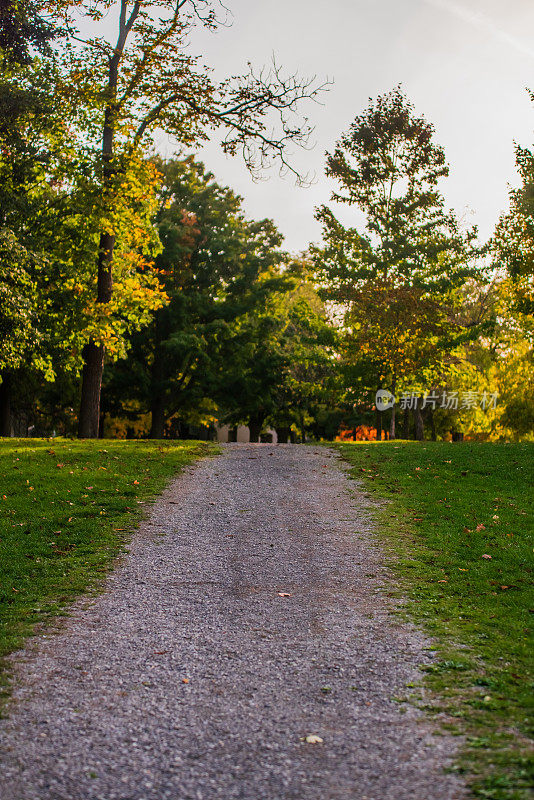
x=247 y=616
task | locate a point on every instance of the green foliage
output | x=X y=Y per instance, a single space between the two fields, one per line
x=213 y=267
x=513 y=244
x=18 y=311
x=22 y=27
x=398 y=280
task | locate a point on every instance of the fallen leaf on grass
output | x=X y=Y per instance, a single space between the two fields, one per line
x=481 y=527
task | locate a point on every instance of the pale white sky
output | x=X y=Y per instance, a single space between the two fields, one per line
x=464 y=63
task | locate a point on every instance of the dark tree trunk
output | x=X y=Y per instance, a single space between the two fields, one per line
x=255 y=426
x=283 y=435
x=157 y=428
x=378 y=425
x=432 y=424
x=302 y=427
x=89 y=421
x=418 y=421
x=406 y=424
x=392 y=431
x=5 y=405
x=93 y=354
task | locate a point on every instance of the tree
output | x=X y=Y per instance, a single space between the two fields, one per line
x=148 y=80
x=25 y=131
x=512 y=248
x=280 y=358
x=52 y=210
x=22 y=29
x=396 y=280
x=213 y=267
x=308 y=345
x=513 y=242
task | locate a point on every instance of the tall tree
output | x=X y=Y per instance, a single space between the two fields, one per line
x=23 y=29
x=513 y=243
x=213 y=268
x=280 y=359
x=148 y=79
x=26 y=129
x=307 y=342
x=395 y=277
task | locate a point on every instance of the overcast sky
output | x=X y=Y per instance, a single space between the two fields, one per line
x=465 y=64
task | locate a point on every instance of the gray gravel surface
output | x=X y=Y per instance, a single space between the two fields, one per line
x=191 y=678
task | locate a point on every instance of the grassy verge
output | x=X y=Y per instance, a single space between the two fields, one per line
x=66 y=508
x=461 y=518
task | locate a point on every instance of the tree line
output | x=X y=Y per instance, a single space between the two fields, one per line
x=137 y=298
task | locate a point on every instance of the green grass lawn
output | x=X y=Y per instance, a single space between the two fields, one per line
x=461 y=520
x=66 y=508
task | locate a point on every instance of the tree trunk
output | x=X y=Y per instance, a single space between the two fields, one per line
x=283 y=435
x=418 y=419
x=5 y=405
x=157 y=428
x=406 y=424
x=432 y=423
x=392 y=423
x=378 y=425
x=93 y=354
x=89 y=421
x=302 y=427
x=255 y=425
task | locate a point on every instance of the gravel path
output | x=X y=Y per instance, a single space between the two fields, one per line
x=192 y=678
